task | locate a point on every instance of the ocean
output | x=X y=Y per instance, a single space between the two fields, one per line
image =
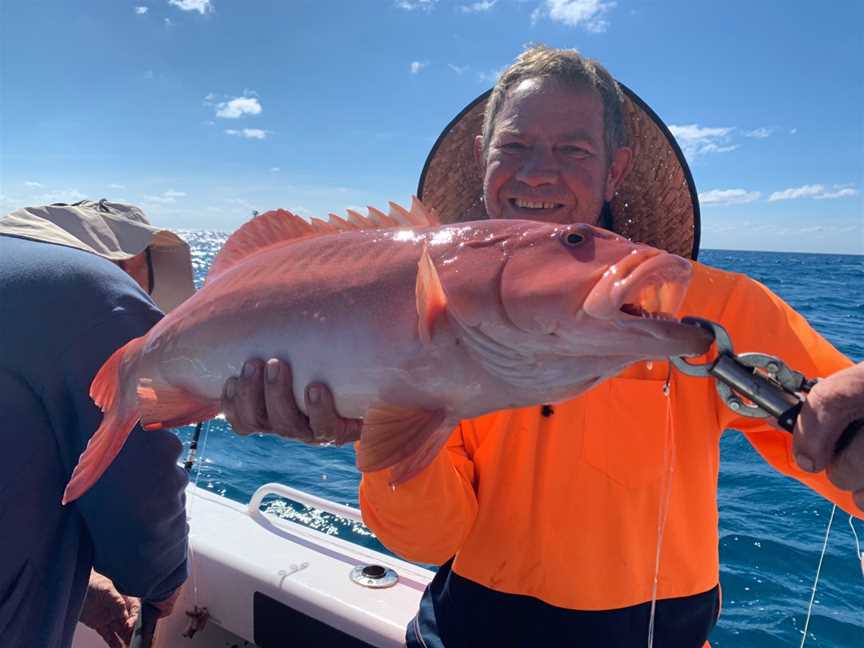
x=771 y=527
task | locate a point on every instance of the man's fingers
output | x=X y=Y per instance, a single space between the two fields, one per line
x=352 y=431
x=845 y=470
x=285 y=417
x=327 y=426
x=817 y=430
x=243 y=400
x=111 y=638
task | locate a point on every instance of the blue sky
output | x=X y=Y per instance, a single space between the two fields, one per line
x=202 y=110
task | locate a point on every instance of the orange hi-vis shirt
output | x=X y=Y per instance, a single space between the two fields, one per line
x=565 y=508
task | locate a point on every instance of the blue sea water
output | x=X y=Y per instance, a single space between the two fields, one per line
x=771 y=527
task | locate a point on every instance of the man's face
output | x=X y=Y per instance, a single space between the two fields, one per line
x=547 y=158
x=136 y=267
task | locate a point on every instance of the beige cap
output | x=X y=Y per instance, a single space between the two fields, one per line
x=114 y=231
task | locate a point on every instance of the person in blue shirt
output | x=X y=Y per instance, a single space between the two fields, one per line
x=74 y=284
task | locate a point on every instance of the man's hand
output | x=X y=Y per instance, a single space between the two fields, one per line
x=831 y=406
x=108 y=612
x=261 y=399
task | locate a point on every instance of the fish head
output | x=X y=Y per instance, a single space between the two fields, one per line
x=576 y=289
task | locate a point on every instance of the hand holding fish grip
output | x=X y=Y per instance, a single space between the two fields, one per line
x=145 y=626
x=772 y=388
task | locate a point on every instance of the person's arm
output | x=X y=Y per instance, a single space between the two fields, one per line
x=135 y=513
x=427 y=518
x=759 y=321
x=835 y=403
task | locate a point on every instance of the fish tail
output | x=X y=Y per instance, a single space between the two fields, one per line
x=118 y=403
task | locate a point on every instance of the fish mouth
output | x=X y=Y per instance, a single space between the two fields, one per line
x=641 y=294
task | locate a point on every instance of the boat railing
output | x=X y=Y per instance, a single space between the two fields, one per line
x=301 y=497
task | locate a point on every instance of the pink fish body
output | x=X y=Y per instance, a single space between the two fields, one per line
x=413 y=325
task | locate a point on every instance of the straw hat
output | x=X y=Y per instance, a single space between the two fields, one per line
x=656 y=203
x=114 y=231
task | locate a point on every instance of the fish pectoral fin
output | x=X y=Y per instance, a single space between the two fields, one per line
x=431 y=300
x=393 y=434
x=167 y=406
x=423 y=456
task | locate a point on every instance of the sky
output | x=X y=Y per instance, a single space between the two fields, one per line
x=200 y=111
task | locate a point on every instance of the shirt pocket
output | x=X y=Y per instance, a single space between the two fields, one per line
x=625 y=431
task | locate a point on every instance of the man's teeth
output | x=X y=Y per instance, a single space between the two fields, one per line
x=535 y=204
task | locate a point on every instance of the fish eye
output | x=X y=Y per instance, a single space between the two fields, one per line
x=572 y=239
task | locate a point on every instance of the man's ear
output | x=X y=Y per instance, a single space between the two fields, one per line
x=478 y=151
x=618 y=170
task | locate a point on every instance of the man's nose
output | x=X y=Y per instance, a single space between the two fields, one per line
x=539 y=168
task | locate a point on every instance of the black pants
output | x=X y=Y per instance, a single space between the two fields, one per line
x=458 y=613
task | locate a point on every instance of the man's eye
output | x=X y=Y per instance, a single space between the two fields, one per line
x=512 y=146
x=574 y=150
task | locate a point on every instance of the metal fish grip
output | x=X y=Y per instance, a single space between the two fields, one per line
x=751 y=384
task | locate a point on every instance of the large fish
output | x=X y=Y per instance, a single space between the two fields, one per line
x=413 y=325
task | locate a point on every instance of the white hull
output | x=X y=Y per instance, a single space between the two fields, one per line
x=275 y=582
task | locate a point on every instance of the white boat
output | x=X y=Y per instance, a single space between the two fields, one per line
x=265 y=581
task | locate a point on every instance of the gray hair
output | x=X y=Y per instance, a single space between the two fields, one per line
x=570 y=68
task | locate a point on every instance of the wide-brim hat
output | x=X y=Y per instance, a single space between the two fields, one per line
x=114 y=231
x=656 y=203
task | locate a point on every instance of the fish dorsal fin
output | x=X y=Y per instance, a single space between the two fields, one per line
x=261 y=232
x=279 y=225
x=431 y=300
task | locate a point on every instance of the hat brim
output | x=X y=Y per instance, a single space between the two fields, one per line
x=656 y=203
x=115 y=232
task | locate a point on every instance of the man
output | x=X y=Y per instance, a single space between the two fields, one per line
x=67 y=304
x=559 y=525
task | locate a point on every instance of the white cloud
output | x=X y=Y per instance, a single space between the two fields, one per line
x=31 y=183
x=416 y=5
x=238 y=107
x=201 y=6
x=249 y=133
x=459 y=69
x=728 y=197
x=588 y=14
x=116 y=186
x=166 y=197
x=141 y=10
x=697 y=140
x=416 y=66
x=815 y=191
x=169 y=22
x=838 y=193
x=805 y=191
x=478 y=7
x=759 y=133
x=793 y=131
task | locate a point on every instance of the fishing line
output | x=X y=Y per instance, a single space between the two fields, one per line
x=191 y=460
x=666 y=497
x=858 y=554
x=818 y=572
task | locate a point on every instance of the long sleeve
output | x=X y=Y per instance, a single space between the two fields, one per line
x=135 y=513
x=427 y=518
x=759 y=321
